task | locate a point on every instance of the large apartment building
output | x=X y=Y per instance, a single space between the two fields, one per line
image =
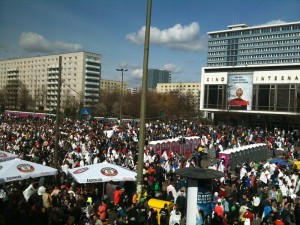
x=253 y=75
x=182 y=88
x=80 y=79
x=110 y=86
x=188 y=89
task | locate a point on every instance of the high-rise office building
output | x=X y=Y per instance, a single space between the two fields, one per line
x=253 y=76
x=156 y=76
x=257 y=45
x=80 y=75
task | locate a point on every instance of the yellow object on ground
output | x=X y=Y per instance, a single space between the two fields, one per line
x=296 y=164
x=158 y=204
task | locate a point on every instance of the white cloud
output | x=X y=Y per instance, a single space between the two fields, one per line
x=174 y=69
x=177 y=37
x=273 y=22
x=137 y=73
x=33 y=42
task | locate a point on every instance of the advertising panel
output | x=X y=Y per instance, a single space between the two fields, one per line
x=204 y=200
x=239 y=89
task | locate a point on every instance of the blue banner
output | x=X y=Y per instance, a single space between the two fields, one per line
x=204 y=202
x=85 y=111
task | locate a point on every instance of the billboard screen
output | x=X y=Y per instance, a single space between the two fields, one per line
x=239 y=88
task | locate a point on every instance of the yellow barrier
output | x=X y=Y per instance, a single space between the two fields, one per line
x=158 y=204
x=296 y=164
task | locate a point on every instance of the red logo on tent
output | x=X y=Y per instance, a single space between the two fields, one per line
x=81 y=170
x=3 y=155
x=109 y=171
x=26 y=168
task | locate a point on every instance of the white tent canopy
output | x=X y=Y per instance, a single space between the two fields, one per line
x=102 y=172
x=4 y=156
x=18 y=169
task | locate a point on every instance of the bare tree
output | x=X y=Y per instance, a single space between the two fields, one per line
x=25 y=100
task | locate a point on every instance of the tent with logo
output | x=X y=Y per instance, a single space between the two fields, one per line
x=4 y=156
x=102 y=172
x=18 y=169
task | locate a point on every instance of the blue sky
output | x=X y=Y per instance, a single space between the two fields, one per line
x=114 y=29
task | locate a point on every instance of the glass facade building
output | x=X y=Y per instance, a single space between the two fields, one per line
x=156 y=76
x=243 y=45
x=253 y=75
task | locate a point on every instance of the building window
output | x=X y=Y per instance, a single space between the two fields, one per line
x=214 y=96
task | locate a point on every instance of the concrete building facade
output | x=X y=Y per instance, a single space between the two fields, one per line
x=183 y=88
x=257 y=45
x=192 y=89
x=80 y=75
x=110 y=86
x=253 y=76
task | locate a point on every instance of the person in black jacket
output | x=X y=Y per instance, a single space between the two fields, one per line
x=180 y=202
x=164 y=215
x=297 y=212
x=142 y=214
x=132 y=214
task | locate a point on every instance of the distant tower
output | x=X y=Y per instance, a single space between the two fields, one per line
x=157 y=76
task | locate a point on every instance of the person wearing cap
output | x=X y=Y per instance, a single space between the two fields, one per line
x=248 y=215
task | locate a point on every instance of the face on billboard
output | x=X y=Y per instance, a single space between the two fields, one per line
x=239 y=89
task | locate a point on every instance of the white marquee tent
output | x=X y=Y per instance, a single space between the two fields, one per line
x=102 y=172
x=4 y=156
x=18 y=169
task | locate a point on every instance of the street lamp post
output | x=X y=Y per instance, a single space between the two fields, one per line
x=35 y=93
x=121 y=94
x=142 y=132
x=57 y=114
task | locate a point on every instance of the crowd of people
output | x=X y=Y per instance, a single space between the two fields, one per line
x=250 y=192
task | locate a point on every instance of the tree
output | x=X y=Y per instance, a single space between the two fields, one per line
x=25 y=100
x=109 y=103
x=70 y=105
x=40 y=98
x=15 y=96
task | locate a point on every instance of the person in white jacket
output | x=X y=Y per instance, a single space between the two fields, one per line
x=31 y=189
x=175 y=217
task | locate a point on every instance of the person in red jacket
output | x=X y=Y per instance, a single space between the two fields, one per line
x=102 y=210
x=117 y=195
x=249 y=215
x=279 y=221
x=219 y=209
